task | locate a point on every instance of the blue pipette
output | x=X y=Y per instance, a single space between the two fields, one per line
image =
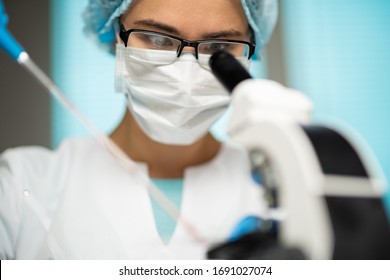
x=7 y=41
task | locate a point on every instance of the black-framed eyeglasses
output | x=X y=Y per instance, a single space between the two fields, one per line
x=172 y=46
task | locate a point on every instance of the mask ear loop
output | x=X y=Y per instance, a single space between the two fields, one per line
x=117 y=37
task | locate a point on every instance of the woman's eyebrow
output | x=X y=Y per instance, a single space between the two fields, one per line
x=231 y=33
x=158 y=25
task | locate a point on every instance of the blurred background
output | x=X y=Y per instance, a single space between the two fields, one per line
x=336 y=52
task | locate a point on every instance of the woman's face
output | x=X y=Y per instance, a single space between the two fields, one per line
x=191 y=20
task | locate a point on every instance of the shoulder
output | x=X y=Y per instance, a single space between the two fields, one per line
x=234 y=155
x=29 y=165
x=232 y=162
x=236 y=161
x=40 y=159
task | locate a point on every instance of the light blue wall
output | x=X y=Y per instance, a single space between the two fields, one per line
x=338 y=52
x=83 y=72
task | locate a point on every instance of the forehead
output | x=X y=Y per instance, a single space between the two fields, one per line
x=190 y=17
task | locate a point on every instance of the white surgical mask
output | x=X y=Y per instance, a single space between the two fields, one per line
x=173 y=103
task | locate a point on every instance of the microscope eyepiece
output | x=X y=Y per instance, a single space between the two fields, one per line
x=228 y=70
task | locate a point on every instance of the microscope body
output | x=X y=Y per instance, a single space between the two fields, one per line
x=328 y=186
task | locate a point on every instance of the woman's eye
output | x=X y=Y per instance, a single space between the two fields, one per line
x=160 y=41
x=215 y=47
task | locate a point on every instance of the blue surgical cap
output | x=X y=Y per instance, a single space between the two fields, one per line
x=100 y=17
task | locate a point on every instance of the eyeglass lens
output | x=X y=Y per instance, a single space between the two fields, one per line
x=153 y=41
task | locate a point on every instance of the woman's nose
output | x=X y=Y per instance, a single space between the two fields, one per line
x=190 y=50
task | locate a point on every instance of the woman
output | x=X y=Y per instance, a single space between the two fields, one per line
x=78 y=203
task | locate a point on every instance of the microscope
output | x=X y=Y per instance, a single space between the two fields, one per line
x=322 y=187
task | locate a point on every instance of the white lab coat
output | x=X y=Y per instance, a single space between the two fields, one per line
x=77 y=203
